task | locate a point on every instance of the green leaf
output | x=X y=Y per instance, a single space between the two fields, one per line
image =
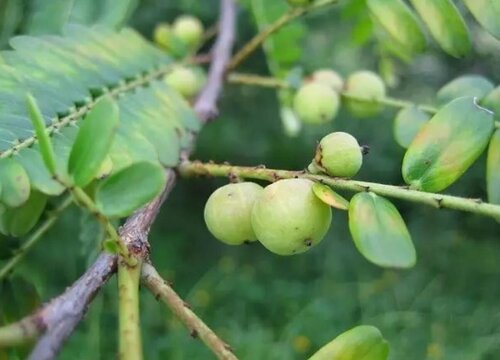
x=18 y=297
x=445 y=24
x=93 y=142
x=379 y=232
x=493 y=169
x=45 y=146
x=407 y=124
x=466 y=85
x=8 y=246
x=447 y=145
x=20 y=220
x=399 y=21
x=492 y=102
x=15 y=183
x=330 y=197
x=360 y=343
x=487 y=13
x=130 y=188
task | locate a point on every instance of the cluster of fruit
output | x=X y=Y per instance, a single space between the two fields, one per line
x=318 y=100
x=286 y=216
x=182 y=37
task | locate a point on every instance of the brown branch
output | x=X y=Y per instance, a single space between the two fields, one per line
x=162 y=290
x=59 y=318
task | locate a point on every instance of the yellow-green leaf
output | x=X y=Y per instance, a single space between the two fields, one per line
x=93 y=141
x=360 y=343
x=493 y=169
x=330 y=197
x=130 y=188
x=407 y=124
x=379 y=232
x=15 y=183
x=399 y=21
x=466 y=85
x=447 y=145
x=446 y=25
x=487 y=13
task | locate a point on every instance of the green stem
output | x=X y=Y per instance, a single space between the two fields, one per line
x=34 y=237
x=284 y=19
x=128 y=303
x=476 y=206
x=20 y=333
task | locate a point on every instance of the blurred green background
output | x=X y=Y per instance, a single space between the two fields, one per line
x=270 y=307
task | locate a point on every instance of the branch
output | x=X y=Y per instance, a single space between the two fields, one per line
x=161 y=289
x=398 y=192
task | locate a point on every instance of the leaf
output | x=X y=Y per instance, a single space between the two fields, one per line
x=407 y=124
x=330 y=197
x=18 y=297
x=493 y=169
x=129 y=189
x=8 y=246
x=447 y=145
x=15 y=183
x=360 y=343
x=45 y=146
x=20 y=220
x=492 y=102
x=379 y=232
x=487 y=13
x=466 y=85
x=446 y=25
x=399 y=21
x=93 y=142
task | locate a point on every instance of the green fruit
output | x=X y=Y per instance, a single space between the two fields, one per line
x=299 y=2
x=367 y=86
x=164 y=36
x=338 y=154
x=316 y=103
x=186 y=81
x=329 y=78
x=189 y=29
x=288 y=218
x=228 y=212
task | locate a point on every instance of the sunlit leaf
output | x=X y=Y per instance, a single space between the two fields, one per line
x=487 y=13
x=330 y=197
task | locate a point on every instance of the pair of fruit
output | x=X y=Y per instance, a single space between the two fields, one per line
x=186 y=33
x=318 y=101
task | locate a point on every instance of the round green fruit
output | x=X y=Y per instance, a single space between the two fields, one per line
x=329 y=78
x=299 y=2
x=187 y=81
x=188 y=29
x=316 y=103
x=364 y=85
x=338 y=154
x=228 y=212
x=288 y=218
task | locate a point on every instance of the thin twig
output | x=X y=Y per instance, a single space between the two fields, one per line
x=399 y=192
x=161 y=289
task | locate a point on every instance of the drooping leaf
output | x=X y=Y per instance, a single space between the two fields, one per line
x=132 y=187
x=487 y=13
x=330 y=197
x=446 y=25
x=447 y=145
x=363 y=342
x=379 y=232
x=93 y=142
x=20 y=220
x=493 y=169
x=399 y=21
x=407 y=124
x=15 y=183
x=466 y=85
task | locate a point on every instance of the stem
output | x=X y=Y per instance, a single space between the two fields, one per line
x=19 y=333
x=128 y=304
x=34 y=237
x=284 y=19
x=162 y=290
x=476 y=206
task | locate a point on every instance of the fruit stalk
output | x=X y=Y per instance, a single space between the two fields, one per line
x=476 y=206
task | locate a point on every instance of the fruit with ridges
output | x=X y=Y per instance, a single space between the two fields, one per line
x=338 y=154
x=367 y=86
x=189 y=29
x=288 y=218
x=316 y=103
x=329 y=78
x=228 y=212
x=187 y=81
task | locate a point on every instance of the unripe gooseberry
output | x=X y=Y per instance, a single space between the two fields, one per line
x=365 y=85
x=288 y=218
x=189 y=29
x=316 y=103
x=187 y=81
x=299 y=2
x=338 y=154
x=329 y=78
x=228 y=212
